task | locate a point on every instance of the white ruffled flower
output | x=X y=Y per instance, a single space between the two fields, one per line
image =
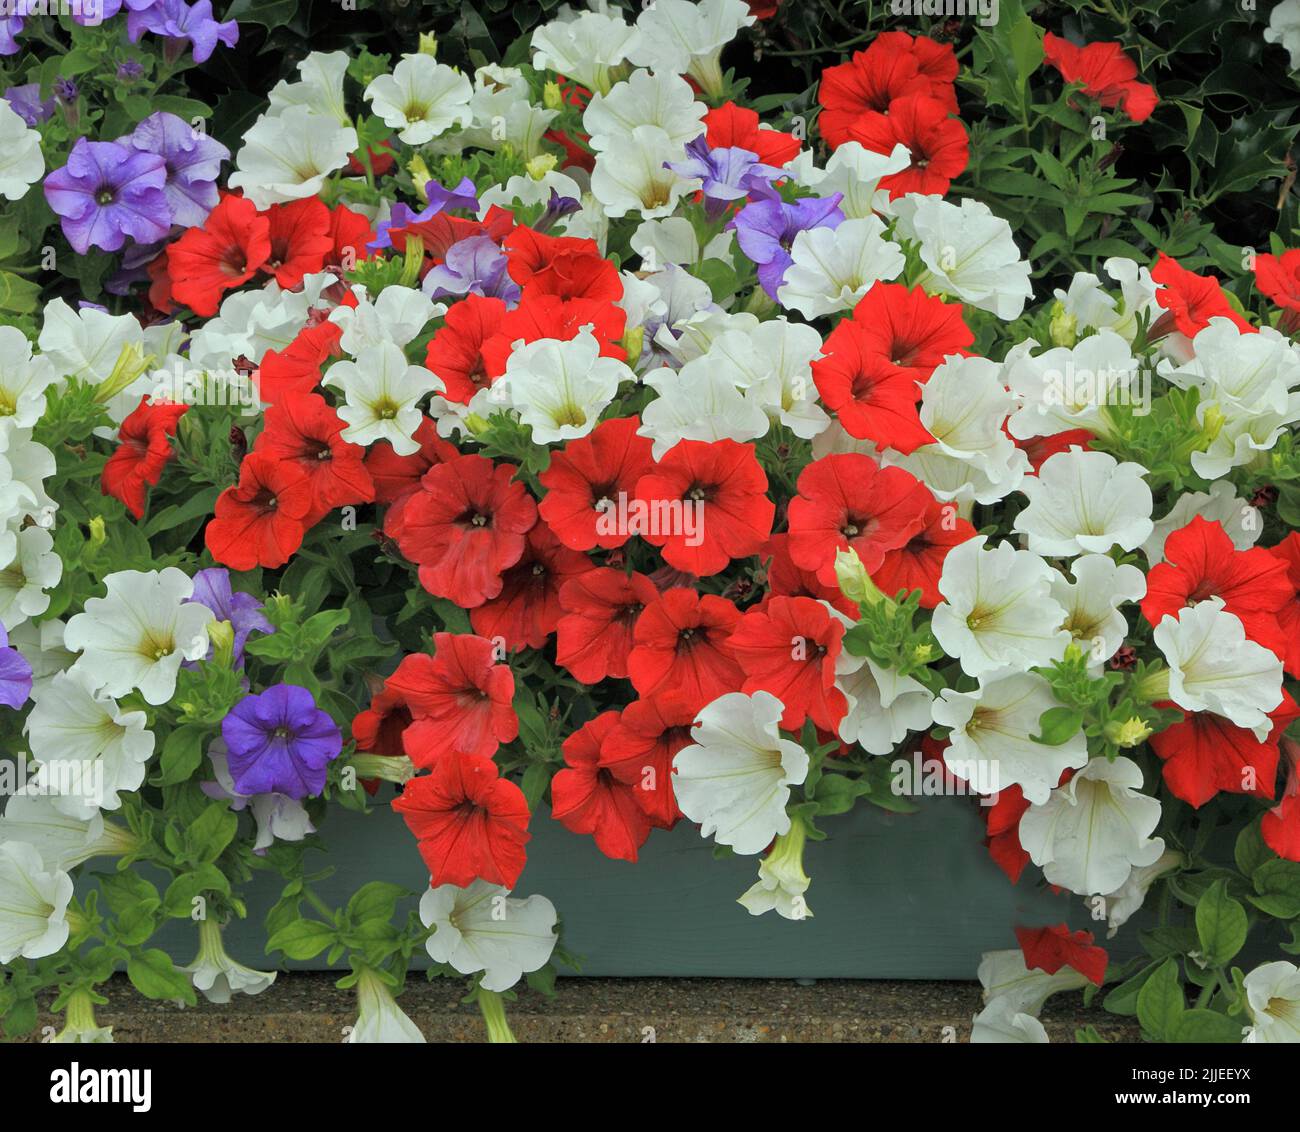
x=673 y=241
x=561 y=388
x=79 y=1025
x=1273 y=1001
x=1239 y=519
x=85 y=343
x=834 y=267
x=688 y=37
x=1090 y=833
x=288 y=157
x=421 y=99
x=33 y=904
x=734 y=780
x=697 y=402
x=1121 y=904
x=483 y=928
x=25 y=464
x=41 y=644
x=998 y=612
x=855 y=172
x=772 y=363
x=398 y=316
x=781 y=880
x=883 y=706
x=23 y=379
x=21 y=161
x=527 y=190
x=218 y=977
x=1001 y=1023
x=969 y=252
x=138 y=635
x=694 y=337
x=665 y=100
x=991 y=745
x=319 y=87
x=63 y=842
x=1091 y=603
x=381 y=393
x=84 y=741
x=24 y=580
x=1213 y=667
x=1284 y=29
x=631 y=175
x=1004 y=976
x=584 y=49
x=1069 y=387
x=1085 y=502
x=380 y=1020
x=1094 y=308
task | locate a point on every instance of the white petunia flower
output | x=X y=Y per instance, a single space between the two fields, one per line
x=398 y=316
x=1069 y=388
x=694 y=337
x=63 y=842
x=138 y=635
x=991 y=744
x=772 y=363
x=561 y=388
x=688 y=37
x=83 y=740
x=21 y=161
x=665 y=100
x=855 y=172
x=1273 y=1002
x=27 y=464
x=1091 y=603
x=380 y=1020
x=23 y=379
x=289 y=156
x=381 y=393
x=25 y=578
x=85 y=343
x=421 y=99
x=1001 y=1023
x=631 y=175
x=1090 y=833
x=1121 y=904
x=483 y=928
x=1239 y=519
x=33 y=904
x=1093 y=308
x=1284 y=29
x=674 y=241
x=883 y=706
x=735 y=779
x=697 y=402
x=41 y=644
x=781 y=880
x=319 y=87
x=969 y=252
x=1003 y=975
x=1085 y=502
x=584 y=49
x=1213 y=667
x=218 y=977
x=527 y=190
x=79 y=1025
x=834 y=267
x=998 y=612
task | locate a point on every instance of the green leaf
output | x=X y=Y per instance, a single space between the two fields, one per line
x=1160 y=1002
x=1278 y=886
x=181 y=754
x=1058 y=725
x=1123 y=998
x=1251 y=851
x=1221 y=925
x=1199 y=1025
x=154 y=975
x=303 y=939
x=208 y=836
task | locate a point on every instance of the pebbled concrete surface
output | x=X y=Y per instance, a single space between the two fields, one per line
x=307 y=1007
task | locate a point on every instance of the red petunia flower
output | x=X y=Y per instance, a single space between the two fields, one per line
x=463 y=527
x=297 y=368
x=441 y=230
x=527 y=610
x=540 y=315
x=1039 y=449
x=576 y=153
x=737 y=127
x=1191 y=299
x=785 y=579
x=679 y=648
x=1201 y=562
x=397 y=478
x=144 y=447
x=304 y=429
x=592 y=796
x=1051 y=948
x=300 y=240
x=379 y=730
x=1288 y=617
x=706 y=504
x=569 y=267
x=649 y=734
x=600 y=610
x=1002 y=831
x=909 y=329
x=228 y=250
x=1278 y=277
x=1280 y=827
x=455 y=352
x=1206 y=754
x=848 y=500
x=471 y=824
x=260 y=521
x=789 y=649
x=460 y=699
x=349 y=233
x=918 y=563
x=585 y=479
x=1107 y=74
x=937 y=143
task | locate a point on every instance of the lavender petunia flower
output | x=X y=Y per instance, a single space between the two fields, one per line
x=107 y=192
x=727 y=173
x=15 y=674
x=244 y=612
x=766 y=228
x=473 y=266
x=10 y=27
x=557 y=208
x=92 y=14
x=440 y=200
x=180 y=21
x=280 y=742
x=192 y=160
x=65 y=90
x=129 y=70
x=28 y=105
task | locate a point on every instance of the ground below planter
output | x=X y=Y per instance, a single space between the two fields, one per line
x=307 y=1007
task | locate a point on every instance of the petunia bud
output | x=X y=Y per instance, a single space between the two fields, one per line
x=97 y=536
x=552 y=97
x=131 y=363
x=222 y=636
x=428 y=43
x=633 y=342
x=854 y=581
x=389 y=768
x=1131 y=733
x=421 y=176
x=1064 y=326
x=539 y=166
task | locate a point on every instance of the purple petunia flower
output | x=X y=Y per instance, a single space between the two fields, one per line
x=766 y=228
x=65 y=90
x=280 y=742
x=179 y=21
x=244 y=612
x=10 y=27
x=473 y=266
x=129 y=70
x=557 y=208
x=15 y=674
x=107 y=192
x=440 y=200
x=92 y=13
x=728 y=173
x=28 y=105
x=192 y=160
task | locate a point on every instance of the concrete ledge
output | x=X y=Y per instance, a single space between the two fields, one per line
x=307 y=1007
